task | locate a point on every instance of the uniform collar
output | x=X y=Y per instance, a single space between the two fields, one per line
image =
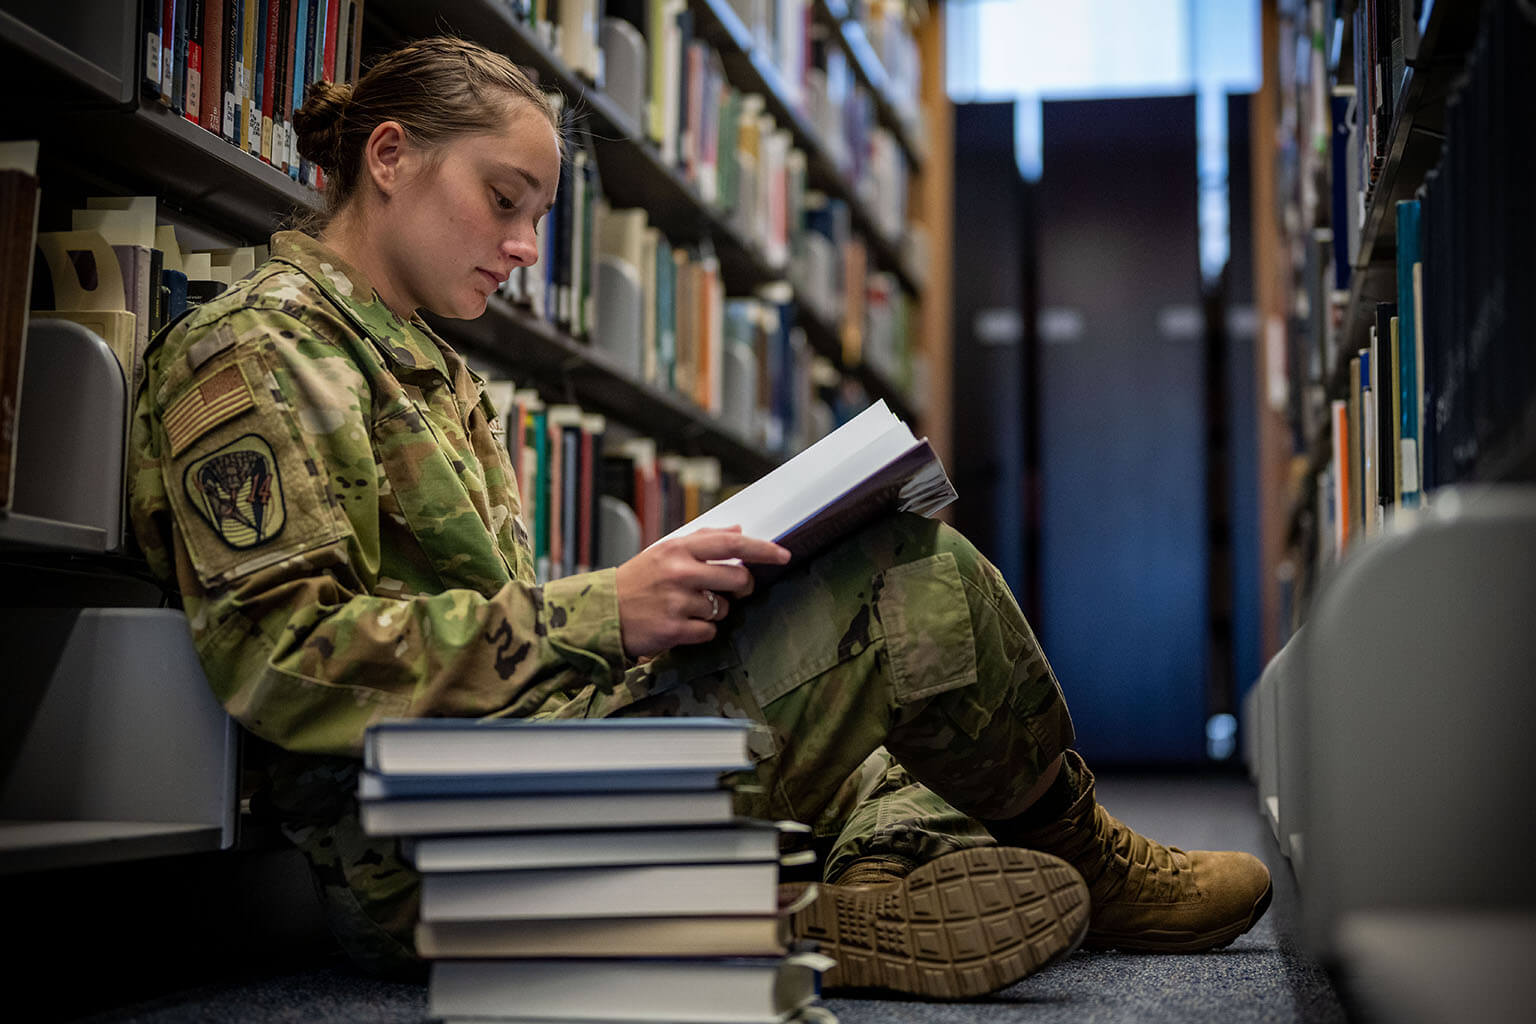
x=406 y=344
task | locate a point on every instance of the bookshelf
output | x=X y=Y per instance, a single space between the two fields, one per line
x=1393 y=164
x=100 y=135
x=1320 y=326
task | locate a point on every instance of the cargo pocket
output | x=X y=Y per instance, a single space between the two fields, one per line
x=243 y=481
x=927 y=625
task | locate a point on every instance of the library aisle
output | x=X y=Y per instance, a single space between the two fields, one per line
x=1263 y=976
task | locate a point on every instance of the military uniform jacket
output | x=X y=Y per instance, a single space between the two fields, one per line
x=323 y=482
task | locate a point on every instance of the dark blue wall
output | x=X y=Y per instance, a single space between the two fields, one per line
x=1124 y=574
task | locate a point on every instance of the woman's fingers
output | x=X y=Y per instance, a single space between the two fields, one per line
x=718 y=545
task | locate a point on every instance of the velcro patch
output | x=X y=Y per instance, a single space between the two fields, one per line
x=210 y=402
x=238 y=491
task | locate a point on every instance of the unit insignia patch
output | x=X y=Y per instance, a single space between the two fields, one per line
x=238 y=491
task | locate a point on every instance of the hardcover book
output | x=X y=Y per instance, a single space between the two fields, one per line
x=746 y=840
x=869 y=466
x=544 y=811
x=743 y=934
x=644 y=890
x=726 y=991
x=445 y=746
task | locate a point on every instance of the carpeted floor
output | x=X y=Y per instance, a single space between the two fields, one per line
x=1264 y=976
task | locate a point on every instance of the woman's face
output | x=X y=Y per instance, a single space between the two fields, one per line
x=465 y=220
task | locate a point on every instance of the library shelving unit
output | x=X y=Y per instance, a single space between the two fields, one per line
x=1381 y=734
x=75 y=70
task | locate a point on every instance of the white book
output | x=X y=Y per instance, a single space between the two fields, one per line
x=724 y=991
x=434 y=746
x=643 y=890
x=749 y=841
x=870 y=465
x=713 y=936
x=443 y=815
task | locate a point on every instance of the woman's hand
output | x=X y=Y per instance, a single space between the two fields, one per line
x=674 y=592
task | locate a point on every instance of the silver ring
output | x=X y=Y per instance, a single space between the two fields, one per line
x=714 y=605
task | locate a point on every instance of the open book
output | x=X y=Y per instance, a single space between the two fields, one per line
x=868 y=467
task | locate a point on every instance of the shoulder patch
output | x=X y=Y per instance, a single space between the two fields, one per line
x=206 y=404
x=238 y=491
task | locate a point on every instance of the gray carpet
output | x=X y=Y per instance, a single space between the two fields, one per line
x=1263 y=976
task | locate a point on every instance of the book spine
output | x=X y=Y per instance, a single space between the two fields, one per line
x=328 y=65
x=355 y=53
x=212 y=87
x=301 y=23
x=192 y=104
x=167 y=51
x=282 y=86
x=306 y=61
x=229 y=112
x=250 y=125
x=150 y=80
x=271 y=25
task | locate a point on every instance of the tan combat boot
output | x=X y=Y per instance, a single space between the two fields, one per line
x=963 y=925
x=1146 y=896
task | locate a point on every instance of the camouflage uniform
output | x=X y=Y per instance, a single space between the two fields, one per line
x=323 y=482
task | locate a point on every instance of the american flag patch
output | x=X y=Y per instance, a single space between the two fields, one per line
x=209 y=403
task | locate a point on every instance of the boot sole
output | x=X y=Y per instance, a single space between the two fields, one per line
x=1183 y=942
x=964 y=925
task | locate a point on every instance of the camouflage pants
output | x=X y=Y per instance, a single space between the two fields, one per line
x=897 y=691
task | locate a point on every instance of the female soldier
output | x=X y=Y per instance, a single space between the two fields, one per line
x=320 y=476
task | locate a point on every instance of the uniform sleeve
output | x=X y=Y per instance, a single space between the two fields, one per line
x=241 y=439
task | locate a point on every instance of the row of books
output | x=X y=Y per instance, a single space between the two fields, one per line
x=239 y=68
x=888 y=27
x=1445 y=392
x=720 y=139
x=573 y=477
x=587 y=870
x=1479 y=216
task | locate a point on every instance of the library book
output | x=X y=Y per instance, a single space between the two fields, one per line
x=870 y=466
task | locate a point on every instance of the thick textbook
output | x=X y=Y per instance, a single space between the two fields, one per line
x=645 y=890
x=869 y=466
x=735 y=934
x=445 y=746
x=543 y=811
x=372 y=786
x=727 y=991
x=748 y=840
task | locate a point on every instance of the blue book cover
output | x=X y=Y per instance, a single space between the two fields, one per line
x=374 y=786
x=1339 y=149
x=1409 y=252
x=300 y=69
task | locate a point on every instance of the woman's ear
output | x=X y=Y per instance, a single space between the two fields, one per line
x=388 y=156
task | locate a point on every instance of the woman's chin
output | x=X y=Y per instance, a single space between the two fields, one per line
x=465 y=307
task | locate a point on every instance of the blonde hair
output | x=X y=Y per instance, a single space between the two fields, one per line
x=436 y=88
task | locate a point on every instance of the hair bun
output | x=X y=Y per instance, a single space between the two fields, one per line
x=317 y=124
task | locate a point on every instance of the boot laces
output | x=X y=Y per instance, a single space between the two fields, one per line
x=1126 y=859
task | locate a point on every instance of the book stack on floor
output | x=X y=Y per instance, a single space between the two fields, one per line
x=587 y=870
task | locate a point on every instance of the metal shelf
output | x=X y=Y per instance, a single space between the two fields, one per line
x=36 y=531
x=45 y=845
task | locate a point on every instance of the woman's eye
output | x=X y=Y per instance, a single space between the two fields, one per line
x=502 y=201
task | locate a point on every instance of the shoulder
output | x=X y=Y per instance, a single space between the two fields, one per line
x=278 y=309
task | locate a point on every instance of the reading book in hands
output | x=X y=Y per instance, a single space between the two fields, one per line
x=869 y=466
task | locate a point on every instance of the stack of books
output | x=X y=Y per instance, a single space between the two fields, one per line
x=589 y=870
